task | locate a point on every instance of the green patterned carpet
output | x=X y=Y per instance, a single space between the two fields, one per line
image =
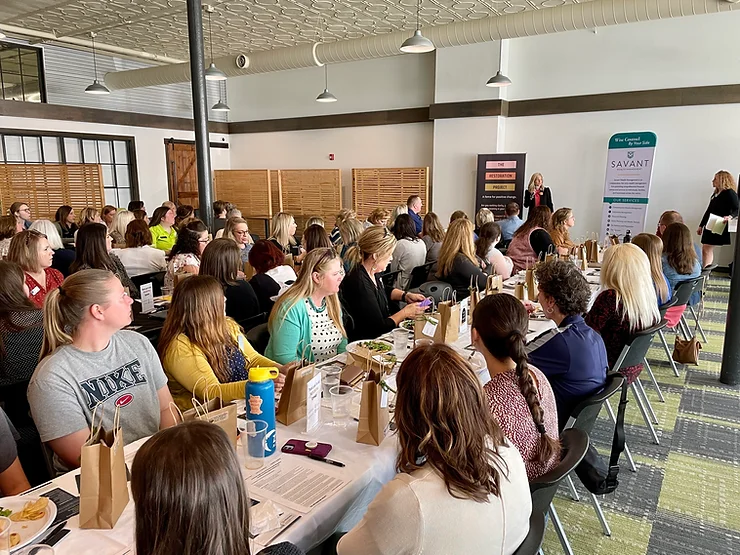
x=685 y=496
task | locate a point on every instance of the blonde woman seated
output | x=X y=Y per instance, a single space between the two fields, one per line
x=562 y=220
x=309 y=312
x=397 y=211
x=238 y=230
x=483 y=217
x=344 y=214
x=119 y=226
x=202 y=350
x=461 y=486
x=349 y=230
x=457 y=263
x=379 y=216
x=282 y=235
x=485 y=249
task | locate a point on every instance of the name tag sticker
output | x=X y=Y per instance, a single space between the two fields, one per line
x=35 y=290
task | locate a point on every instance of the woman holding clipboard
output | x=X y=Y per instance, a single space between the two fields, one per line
x=724 y=203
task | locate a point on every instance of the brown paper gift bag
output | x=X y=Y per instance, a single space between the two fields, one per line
x=427 y=327
x=103 y=487
x=494 y=284
x=292 y=405
x=449 y=320
x=531 y=285
x=593 y=249
x=374 y=415
x=214 y=411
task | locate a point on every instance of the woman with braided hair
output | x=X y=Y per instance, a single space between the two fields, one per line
x=519 y=395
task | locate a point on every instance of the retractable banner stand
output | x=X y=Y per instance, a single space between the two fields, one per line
x=500 y=181
x=629 y=171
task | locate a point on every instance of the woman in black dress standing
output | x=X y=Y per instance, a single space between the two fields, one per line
x=537 y=194
x=724 y=203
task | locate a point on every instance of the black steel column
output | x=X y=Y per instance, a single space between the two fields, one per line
x=730 y=374
x=200 y=111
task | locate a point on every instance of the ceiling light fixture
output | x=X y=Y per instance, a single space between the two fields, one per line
x=326 y=96
x=499 y=80
x=96 y=87
x=221 y=105
x=417 y=43
x=212 y=73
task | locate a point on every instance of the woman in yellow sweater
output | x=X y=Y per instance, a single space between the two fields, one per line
x=202 y=350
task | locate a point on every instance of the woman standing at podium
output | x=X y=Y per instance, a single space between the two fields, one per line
x=724 y=203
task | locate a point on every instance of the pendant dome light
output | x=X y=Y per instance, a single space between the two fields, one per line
x=221 y=105
x=499 y=80
x=417 y=43
x=212 y=73
x=96 y=87
x=326 y=96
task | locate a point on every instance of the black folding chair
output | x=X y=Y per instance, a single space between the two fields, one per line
x=155 y=278
x=532 y=543
x=253 y=321
x=389 y=279
x=574 y=444
x=436 y=290
x=259 y=337
x=419 y=275
x=583 y=418
x=705 y=275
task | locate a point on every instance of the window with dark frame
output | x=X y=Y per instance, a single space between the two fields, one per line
x=21 y=73
x=113 y=154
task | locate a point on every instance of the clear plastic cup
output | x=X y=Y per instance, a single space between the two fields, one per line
x=400 y=342
x=330 y=377
x=341 y=400
x=253 y=443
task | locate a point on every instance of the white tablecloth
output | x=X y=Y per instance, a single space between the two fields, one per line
x=368 y=468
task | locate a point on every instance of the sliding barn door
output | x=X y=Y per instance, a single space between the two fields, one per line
x=182 y=173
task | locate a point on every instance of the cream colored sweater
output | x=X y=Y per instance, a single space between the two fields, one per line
x=415 y=514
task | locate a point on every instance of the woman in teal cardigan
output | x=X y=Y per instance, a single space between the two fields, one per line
x=309 y=313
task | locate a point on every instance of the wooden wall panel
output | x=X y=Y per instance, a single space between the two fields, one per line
x=45 y=187
x=388 y=187
x=307 y=193
x=249 y=190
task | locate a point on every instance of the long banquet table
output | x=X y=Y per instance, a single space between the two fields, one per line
x=367 y=469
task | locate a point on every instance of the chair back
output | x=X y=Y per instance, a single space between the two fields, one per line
x=532 y=543
x=635 y=351
x=584 y=415
x=574 y=443
x=389 y=279
x=420 y=274
x=253 y=321
x=155 y=278
x=435 y=289
x=259 y=337
x=669 y=304
x=686 y=288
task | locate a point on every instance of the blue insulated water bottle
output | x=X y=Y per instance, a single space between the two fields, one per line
x=260 y=396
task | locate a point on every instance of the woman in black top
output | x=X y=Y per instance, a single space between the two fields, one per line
x=457 y=263
x=21 y=336
x=222 y=260
x=537 y=194
x=724 y=203
x=363 y=293
x=65 y=222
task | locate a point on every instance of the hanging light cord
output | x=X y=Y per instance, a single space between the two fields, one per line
x=95 y=61
x=418 y=14
x=210 y=35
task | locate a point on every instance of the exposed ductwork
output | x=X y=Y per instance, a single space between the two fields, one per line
x=569 y=17
x=86 y=44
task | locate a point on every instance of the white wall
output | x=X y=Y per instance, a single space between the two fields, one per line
x=408 y=145
x=404 y=81
x=683 y=52
x=570 y=151
x=150 y=149
x=461 y=72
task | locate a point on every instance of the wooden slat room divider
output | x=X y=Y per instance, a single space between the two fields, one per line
x=253 y=191
x=45 y=187
x=307 y=193
x=387 y=187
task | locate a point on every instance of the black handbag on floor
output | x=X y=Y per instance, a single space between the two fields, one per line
x=593 y=472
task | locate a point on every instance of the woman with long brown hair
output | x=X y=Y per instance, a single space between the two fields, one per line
x=309 y=312
x=680 y=262
x=8 y=228
x=221 y=259
x=652 y=246
x=485 y=249
x=432 y=233
x=202 y=350
x=65 y=220
x=32 y=252
x=562 y=220
x=457 y=263
x=724 y=203
x=189 y=495
x=532 y=240
x=185 y=255
x=315 y=237
x=518 y=394
x=461 y=487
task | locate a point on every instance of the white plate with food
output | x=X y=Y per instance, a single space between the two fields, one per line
x=376 y=346
x=30 y=517
x=407 y=325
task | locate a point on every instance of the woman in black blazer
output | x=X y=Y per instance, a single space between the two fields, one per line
x=536 y=188
x=724 y=202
